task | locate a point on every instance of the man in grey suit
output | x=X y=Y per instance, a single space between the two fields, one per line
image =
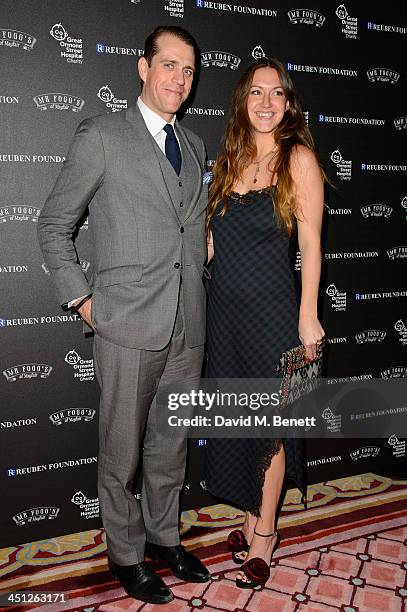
x=141 y=173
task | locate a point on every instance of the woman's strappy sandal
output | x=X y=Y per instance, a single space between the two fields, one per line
x=237 y=543
x=256 y=570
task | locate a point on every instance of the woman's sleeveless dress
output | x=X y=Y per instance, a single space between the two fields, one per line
x=252 y=319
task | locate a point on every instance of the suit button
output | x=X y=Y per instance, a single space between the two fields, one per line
x=180 y=184
x=181 y=203
x=177 y=265
x=182 y=230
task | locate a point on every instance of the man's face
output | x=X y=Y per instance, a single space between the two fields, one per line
x=168 y=81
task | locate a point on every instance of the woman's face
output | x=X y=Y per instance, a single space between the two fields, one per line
x=266 y=102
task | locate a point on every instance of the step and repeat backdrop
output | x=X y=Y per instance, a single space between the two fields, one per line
x=61 y=62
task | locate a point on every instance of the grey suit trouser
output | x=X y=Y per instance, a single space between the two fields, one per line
x=129 y=381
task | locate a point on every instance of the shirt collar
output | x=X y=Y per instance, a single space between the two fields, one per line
x=154 y=122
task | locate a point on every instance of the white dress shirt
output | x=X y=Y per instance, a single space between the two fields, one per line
x=155 y=125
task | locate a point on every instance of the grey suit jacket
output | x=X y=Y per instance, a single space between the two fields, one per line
x=113 y=167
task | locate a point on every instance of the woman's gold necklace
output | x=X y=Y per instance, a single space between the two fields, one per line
x=258 y=162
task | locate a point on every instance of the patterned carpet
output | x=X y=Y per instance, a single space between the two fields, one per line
x=347 y=552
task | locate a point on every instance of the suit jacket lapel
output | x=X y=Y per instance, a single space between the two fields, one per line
x=144 y=141
x=187 y=145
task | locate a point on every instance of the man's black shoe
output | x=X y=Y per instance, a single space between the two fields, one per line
x=183 y=564
x=141 y=582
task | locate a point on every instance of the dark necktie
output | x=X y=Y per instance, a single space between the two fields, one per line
x=172 y=150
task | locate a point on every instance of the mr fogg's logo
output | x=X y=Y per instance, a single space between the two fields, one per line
x=71 y=48
x=394 y=372
x=376 y=210
x=27 y=371
x=349 y=24
x=72 y=415
x=221 y=59
x=364 y=453
x=399 y=252
x=15 y=38
x=112 y=103
x=34 y=515
x=383 y=75
x=307 y=16
x=370 y=335
x=344 y=167
x=59 y=101
x=19 y=213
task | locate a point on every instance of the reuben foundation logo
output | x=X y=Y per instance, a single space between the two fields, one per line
x=381 y=27
x=376 y=210
x=367 y=121
x=370 y=335
x=59 y=101
x=235 y=8
x=175 y=8
x=19 y=213
x=326 y=70
x=307 y=16
x=89 y=507
x=382 y=75
x=222 y=59
x=9 y=99
x=349 y=24
x=338 y=211
x=84 y=370
x=401 y=328
x=14 y=38
x=208 y=112
x=365 y=452
x=404 y=204
x=344 y=167
x=398 y=446
x=35 y=514
x=72 y=415
x=27 y=371
x=324 y=460
x=112 y=103
x=338 y=298
x=383 y=167
x=115 y=50
x=71 y=48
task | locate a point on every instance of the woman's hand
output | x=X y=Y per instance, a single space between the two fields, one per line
x=310 y=332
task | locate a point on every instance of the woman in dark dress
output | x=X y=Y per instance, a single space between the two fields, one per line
x=267 y=194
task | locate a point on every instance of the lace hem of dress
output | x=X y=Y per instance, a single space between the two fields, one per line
x=262 y=465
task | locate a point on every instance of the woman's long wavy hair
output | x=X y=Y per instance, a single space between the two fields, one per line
x=239 y=149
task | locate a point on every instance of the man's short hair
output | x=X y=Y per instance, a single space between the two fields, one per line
x=151 y=45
